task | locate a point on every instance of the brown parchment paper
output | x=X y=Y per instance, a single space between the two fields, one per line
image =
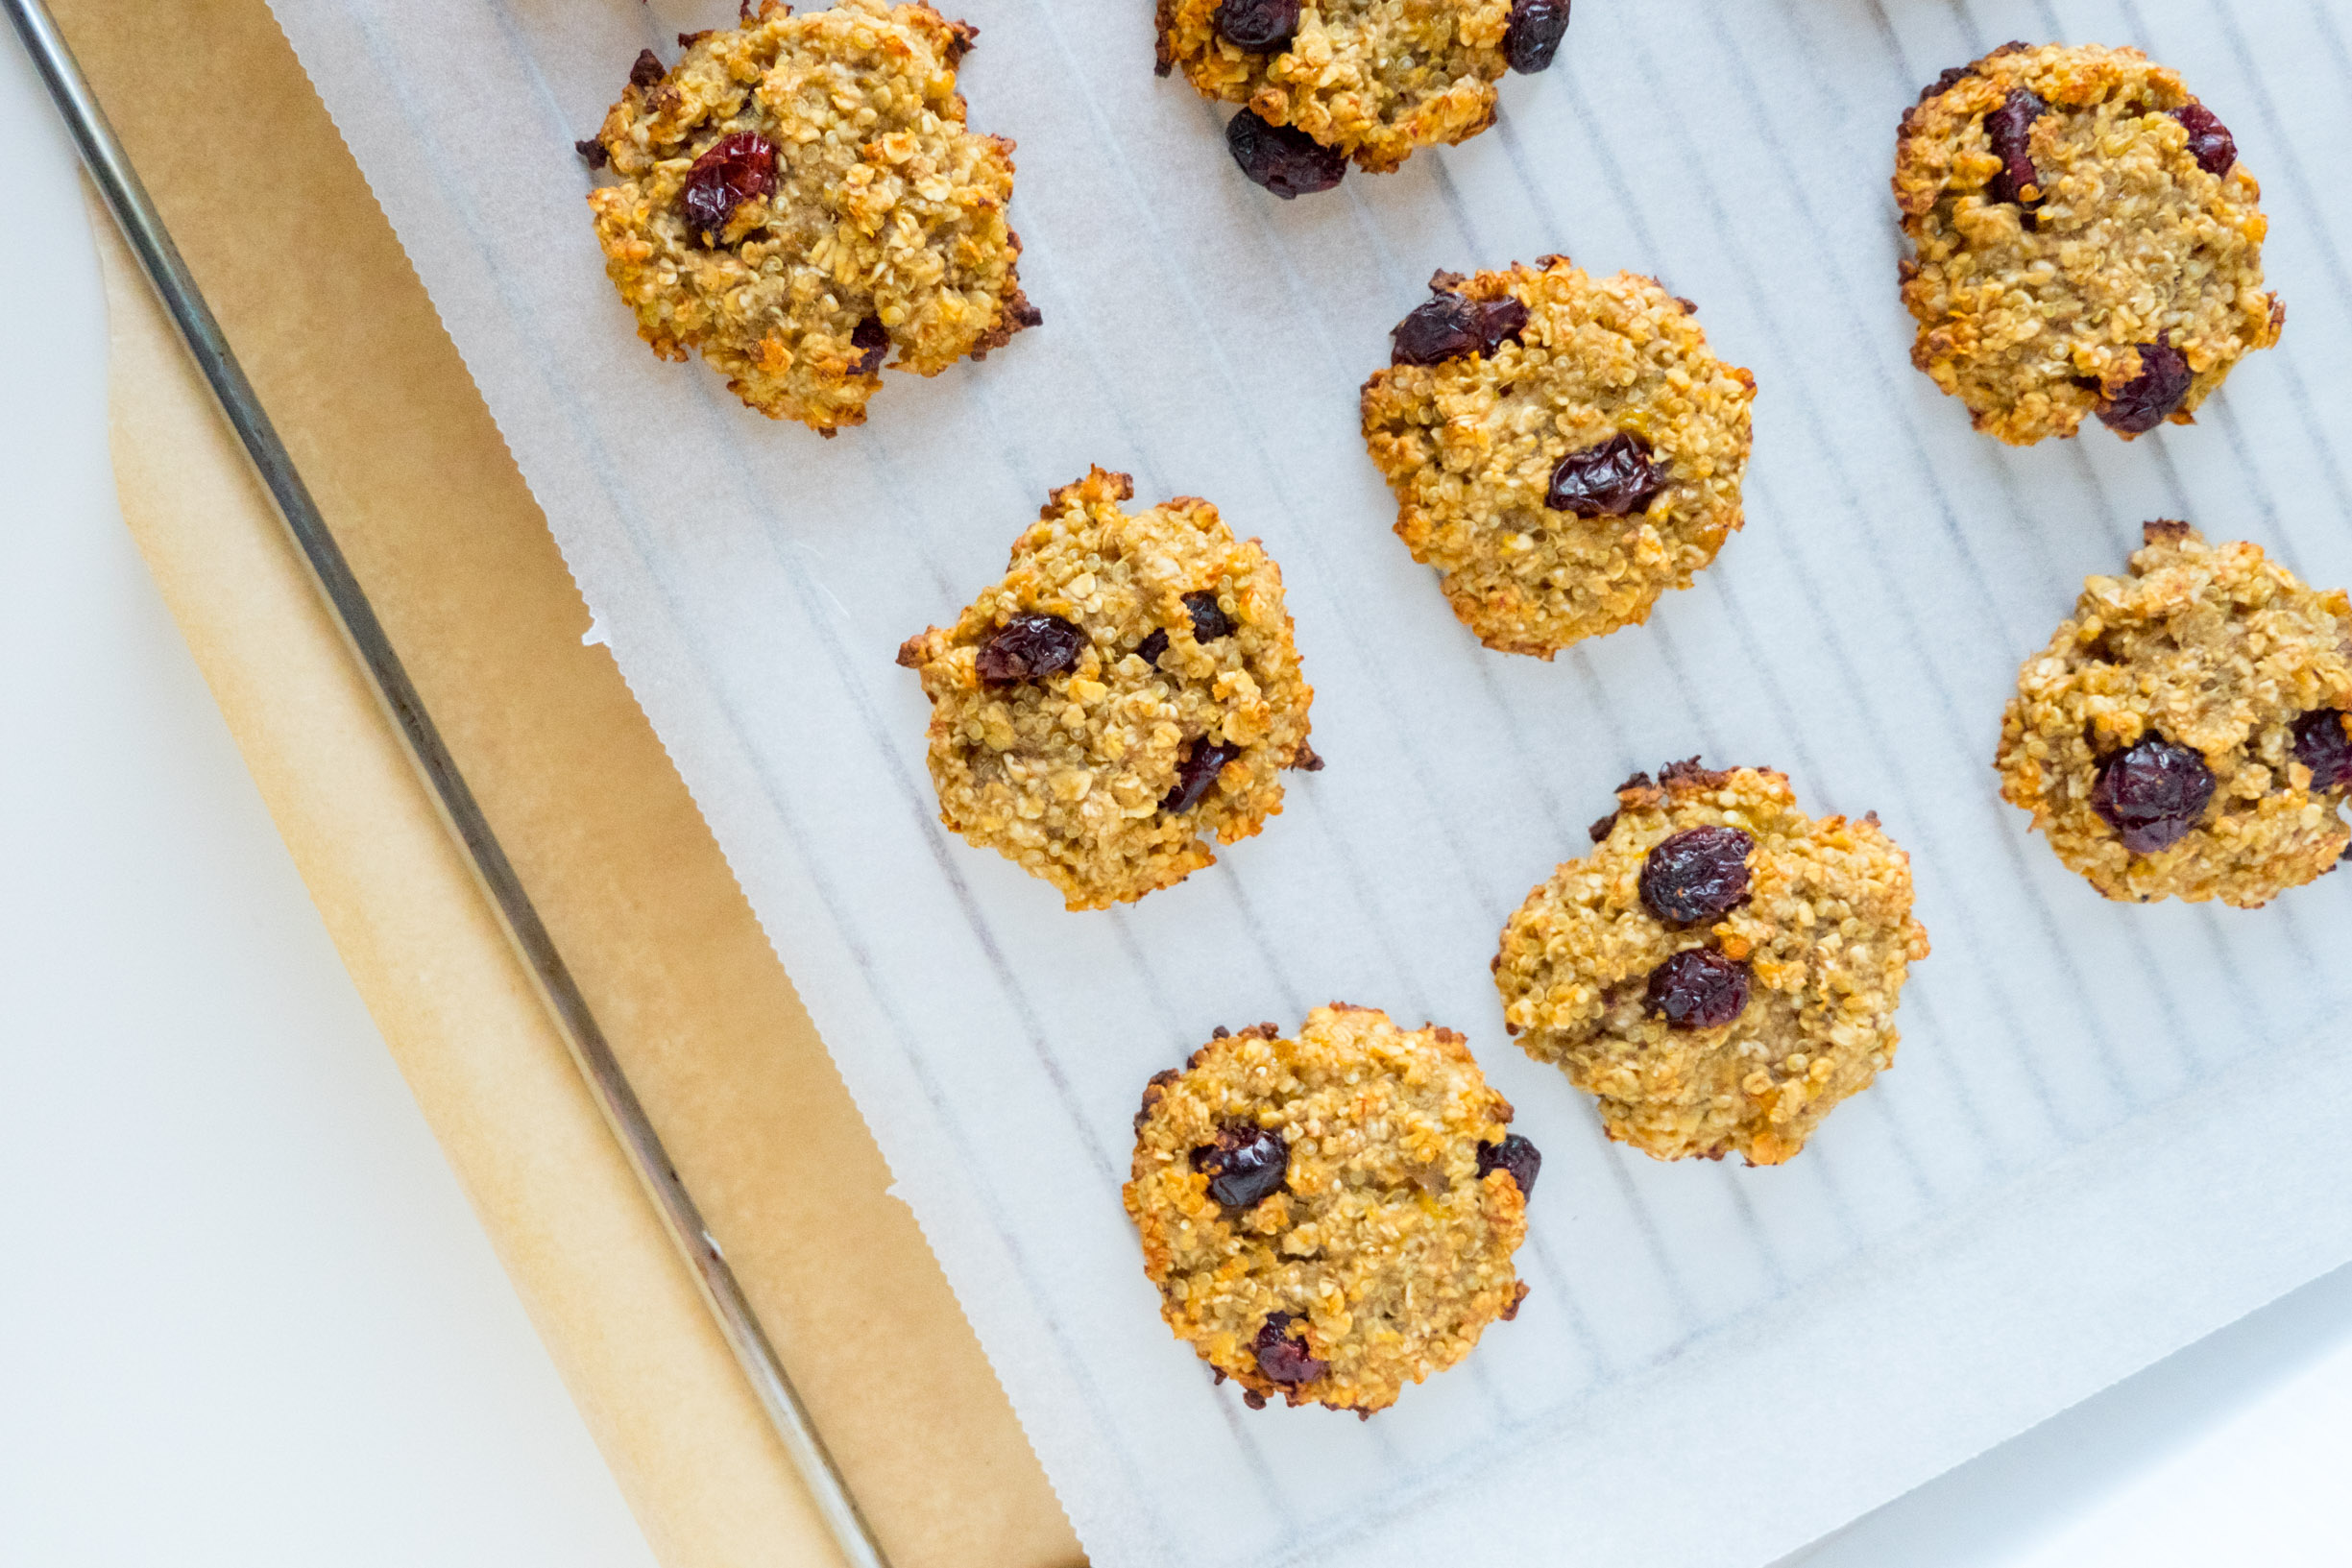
x=378 y=411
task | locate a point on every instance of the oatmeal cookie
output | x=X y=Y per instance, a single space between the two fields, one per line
x=1721 y=969
x=2184 y=735
x=1331 y=1216
x=799 y=197
x=2085 y=242
x=1371 y=79
x=1129 y=691
x=1562 y=448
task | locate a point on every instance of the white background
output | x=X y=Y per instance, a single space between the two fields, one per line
x=245 y=1316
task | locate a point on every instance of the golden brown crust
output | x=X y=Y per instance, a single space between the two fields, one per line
x=2032 y=320
x=1468 y=448
x=1373 y=78
x=2212 y=648
x=1069 y=776
x=1386 y=1242
x=1826 y=931
x=886 y=209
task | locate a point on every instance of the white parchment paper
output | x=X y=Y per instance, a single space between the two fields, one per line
x=2110 y=1129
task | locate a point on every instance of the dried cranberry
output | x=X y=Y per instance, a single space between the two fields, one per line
x=1263 y=27
x=872 y=341
x=1246 y=1165
x=1517 y=1155
x=1448 y=326
x=647 y=69
x=1203 y=760
x=1958 y=74
x=1209 y=623
x=1030 y=649
x=2321 y=745
x=2147 y=399
x=1612 y=480
x=2152 y=794
x=1210 y=620
x=1699 y=988
x=1951 y=78
x=2210 y=142
x=2012 y=128
x=1283 y=158
x=1697 y=873
x=1285 y=1360
x=1532 y=36
x=737 y=169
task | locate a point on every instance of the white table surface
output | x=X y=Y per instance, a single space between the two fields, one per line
x=245 y=1314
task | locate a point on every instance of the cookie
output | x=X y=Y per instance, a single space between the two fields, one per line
x=1562 y=448
x=798 y=199
x=2084 y=241
x=1721 y=971
x=1331 y=1216
x=2184 y=735
x=1129 y=691
x=1368 y=79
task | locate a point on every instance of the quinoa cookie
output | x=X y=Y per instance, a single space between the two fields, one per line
x=1721 y=971
x=799 y=197
x=2085 y=242
x=1364 y=80
x=1562 y=448
x=1331 y=1216
x=2184 y=735
x=1129 y=691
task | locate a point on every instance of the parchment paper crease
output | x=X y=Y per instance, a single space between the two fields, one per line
x=2111 y=1128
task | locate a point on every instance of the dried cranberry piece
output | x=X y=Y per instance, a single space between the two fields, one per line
x=1030 y=649
x=737 y=169
x=1697 y=873
x=2148 y=398
x=1958 y=74
x=1209 y=623
x=2152 y=794
x=2210 y=142
x=1612 y=480
x=2321 y=745
x=1283 y=158
x=1263 y=27
x=1245 y=1166
x=1951 y=78
x=1442 y=327
x=872 y=341
x=1532 y=36
x=1517 y=1155
x=1203 y=760
x=1284 y=1360
x=1210 y=620
x=2012 y=128
x=1446 y=325
x=1699 y=988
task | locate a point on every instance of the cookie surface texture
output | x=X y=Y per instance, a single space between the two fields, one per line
x=1500 y=456
x=1128 y=693
x=1387 y=1247
x=2222 y=659
x=1374 y=78
x=2084 y=241
x=1737 y=1024
x=799 y=199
